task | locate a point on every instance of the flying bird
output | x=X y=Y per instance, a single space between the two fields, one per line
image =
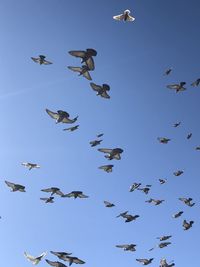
x=134 y=186
x=61 y=255
x=108 y=204
x=145 y=261
x=73 y=260
x=123 y=214
x=163 y=140
x=95 y=143
x=71 y=129
x=189 y=135
x=47 y=199
x=162 y=181
x=106 y=168
x=41 y=60
x=161 y=245
x=168 y=71
x=187 y=225
x=145 y=189
x=127 y=247
x=187 y=201
x=178 y=214
x=35 y=260
x=178 y=173
x=61 y=116
x=164 y=237
x=100 y=135
x=155 y=201
x=30 y=165
x=178 y=87
x=15 y=187
x=163 y=263
x=197 y=148
x=56 y=263
x=75 y=194
x=196 y=83
x=53 y=190
x=177 y=124
x=130 y=218
x=112 y=153
x=86 y=56
x=84 y=70
x=125 y=16
x=101 y=90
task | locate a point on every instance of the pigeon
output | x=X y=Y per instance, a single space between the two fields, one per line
x=163 y=140
x=61 y=116
x=144 y=189
x=123 y=214
x=84 y=70
x=128 y=247
x=47 y=199
x=178 y=87
x=189 y=135
x=108 y=204
x=177 y=124
x=101 y=90
x=15 y=187
x=187 y=225
x=178 y=214
x=30 y=165
x=196 y=83
x=168 y=71
x=106 y=168
x=130 y=218
x=164 y=237
x=134 y=186
x=162 y=181
x=187 y=201
x=53 y=190
x=35 y=260
x=161 y=245
x=73 y=260
x=86 y=56
x=125 y=16
x=197 y=148
x=178 y=173
x=41 y=60
x=56 y=263
x=100 y=135
x=75 y=194
x=154 y=201
x=95 y=143
x=112 y=153
x=163 y=263
x=61 y=255
x=71 y=129
x=145 y=261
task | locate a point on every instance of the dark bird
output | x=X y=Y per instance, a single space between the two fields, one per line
x=61 y=255
x=71 y=129
x=47 y=199
x=123 y=214
x=56 y=263
x=178 y=214
x=73 y=260
x=53 y=190
x=75 y=194
x=86 y=56
x=100 y=135
x=125 y=16
x=155 y=201
x=164 y=237
x=95 y=143
x=196 y=83
x=108 y=204
x=41 y=60
x=178 y=87
x=112 y=153
x=177 y=124
x=163 y=263
x=61 y=116
x=35 y=260
x=178 y=173
x=187 y=225
x=197 y=148
x=30 y=165
x=168 y=71
x=127 y=247
x=189 y=135
x=84 y=70
x=15 y=187
x=144 y=189
x=187 y=201
x=162 y=181
x=163 y=140
x=106 y=168
x=130 y=218
x=145 y=261
x=161 y=245
x=134 y=186
x=101 y=90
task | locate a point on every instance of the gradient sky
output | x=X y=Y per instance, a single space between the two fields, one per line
x=132 y=58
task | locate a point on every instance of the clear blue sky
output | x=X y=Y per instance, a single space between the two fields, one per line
x=131 y=59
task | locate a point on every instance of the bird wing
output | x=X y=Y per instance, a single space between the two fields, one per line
x=105 y=95
x=82 y=196
x=78 y=261
x=12 y=185
x=44 y=198
x=29 y=257
x=47 y=190
x=130 y=18
x=58 y=192
x=117 y=156
x=36 y=60
x=95 y=87
x=67 y=120
x=118 y=17
x=52 y=114
x=107 y=203
x=122 y=246
x=53 y=263
x=78 y=53
x=46 y=62
x=105 y=150
x=87 y=75
x=90 y=63
x=75 y=69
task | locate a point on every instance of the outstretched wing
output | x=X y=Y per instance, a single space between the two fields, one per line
x=173 y=86
x=78 y=53
x=105 y=150
x=46 y=62
x=52 y=114
x=87 y=75
x=130 y=18
x=118 y=17
x=12 y=185
x=95 y=87
x=90 y=63
x=36 y=60
x=105 y=95
x=75 y=69
x=48 y=190
x=82 y=196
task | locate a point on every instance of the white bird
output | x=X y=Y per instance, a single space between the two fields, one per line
x=125 y=16
x=30 y=165
x=35 y=260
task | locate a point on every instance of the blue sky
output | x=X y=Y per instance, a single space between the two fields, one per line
x=132 y=58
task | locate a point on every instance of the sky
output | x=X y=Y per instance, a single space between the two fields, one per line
x=132 y=58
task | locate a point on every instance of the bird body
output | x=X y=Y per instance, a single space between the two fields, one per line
x=61 y=116
x=41 y=60
x=125 y=16
x=15 y=187
x=112 y=153
x=101 y=90
x=30 y=165
x=75 y=194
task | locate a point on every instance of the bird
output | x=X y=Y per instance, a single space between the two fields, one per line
x=187 y=225
x=130 y=218
x=100 y=135
x=106 y=168
x=177 y=124
x=61 y=255
x=71 y=129
x=145 y=189
x=134 y=186
x=178 y=87
x=112 y=153
x=178 y=214
x=86 y=56
x=35 y=260
x=95 y=143
x=187 y=201
x=125 y=16
x=163 y=263
x=145 y=261
x=168 y=71
x=61 y=116
x=123 y=214
x=47 y=199
x=164 y=237
x=196 y=83
x=15 y=187
x=127 y=247
x=41 y=60
x=83 y=70
x=189 y=135
x=162 y=181
x=56 y=263
x=71 y=260
x=178 y=173
x=197 y=148
x=75 y=194
x=155 y=201
x=163 y=140
x=101 y=90
x=53 y=190
x=161 y=245
x=108 y=204
x=30 y=165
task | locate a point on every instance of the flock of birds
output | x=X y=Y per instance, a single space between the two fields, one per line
x=87 y=61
